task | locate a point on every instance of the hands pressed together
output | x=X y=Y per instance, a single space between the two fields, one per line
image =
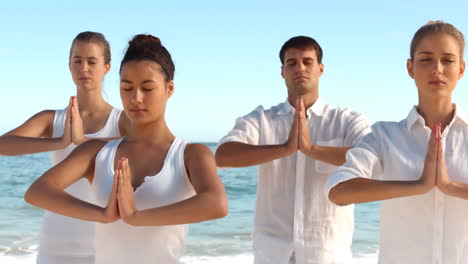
x=121 y=203
x=299 y=135
x=435 y=171
x=73 y=131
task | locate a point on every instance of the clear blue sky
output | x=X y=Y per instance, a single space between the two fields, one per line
x=225 y=52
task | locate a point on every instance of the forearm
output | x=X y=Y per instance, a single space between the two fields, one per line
x=236 y=154
x=63 y=203
x=456 y=189
x=363 y=190
x=201 y=207
x=333 y=155
x=11 y=145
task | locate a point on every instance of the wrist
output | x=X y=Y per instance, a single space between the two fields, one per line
x=287 y=149
x=310 y=151
x=131 y=218
x=422 y=187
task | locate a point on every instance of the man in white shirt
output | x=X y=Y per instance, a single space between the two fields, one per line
x=297 y=145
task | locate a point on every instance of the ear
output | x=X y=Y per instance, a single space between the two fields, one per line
x=282 y=69
x=321 y=67
x=170 y=88
x=462 y=69
x=409 y=68
x=108 y=67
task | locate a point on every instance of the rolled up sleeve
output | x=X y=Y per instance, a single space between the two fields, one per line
x=246 y=130
x=362 y=161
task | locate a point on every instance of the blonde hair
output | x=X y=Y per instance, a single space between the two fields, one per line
x=433 y=27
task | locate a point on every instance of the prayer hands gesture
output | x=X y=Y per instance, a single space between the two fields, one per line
x=121 y=201
x=66 y=137
x=299 y=135
x=73 y=129
x=435 y=171
x=125 y=196
x=77 y=132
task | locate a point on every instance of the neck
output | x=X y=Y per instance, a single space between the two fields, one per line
x=153 y=133
x=309 y=99
x=91 y=100
x=436 y=110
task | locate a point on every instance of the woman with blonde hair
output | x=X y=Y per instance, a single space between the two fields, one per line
x=418 y=165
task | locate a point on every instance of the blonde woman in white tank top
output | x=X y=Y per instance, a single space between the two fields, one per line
x=148 y=185
x=63 y=239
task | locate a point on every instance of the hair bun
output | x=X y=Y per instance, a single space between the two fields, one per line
x=144 y=38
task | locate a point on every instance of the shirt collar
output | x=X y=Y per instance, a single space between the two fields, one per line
x=414 y=116
x=318 y=108
x=460 y=114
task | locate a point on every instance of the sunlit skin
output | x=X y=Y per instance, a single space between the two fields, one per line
x=144 y=91
x=301 y=72
x=88 y=111
x=87 y=65
x=436 y=67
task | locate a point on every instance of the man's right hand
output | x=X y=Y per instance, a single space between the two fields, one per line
x=292 y=144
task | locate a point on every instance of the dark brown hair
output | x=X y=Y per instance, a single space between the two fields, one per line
x=301 y=42
x=433 y=27
x=148 y=47
x=96 y=38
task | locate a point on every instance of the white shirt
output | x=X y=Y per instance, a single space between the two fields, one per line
x=120 y=243
x=422 y=229
x=292 y=214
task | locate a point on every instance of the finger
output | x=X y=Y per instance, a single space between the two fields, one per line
x=75 y=102
x=120 y=184
x=302 y=105
x=432 y=145
x=127 y=175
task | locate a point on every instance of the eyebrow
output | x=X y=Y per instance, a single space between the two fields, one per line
x=143 y=82
x=430 y=53
x=91 y=58
x=295 y=59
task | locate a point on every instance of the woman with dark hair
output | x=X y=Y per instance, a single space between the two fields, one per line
x=418 y=165
x=88 y=115
x=149 y=184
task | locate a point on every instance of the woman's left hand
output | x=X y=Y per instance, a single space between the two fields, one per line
x=443 y=180
x=77 y=131
x=125 y=195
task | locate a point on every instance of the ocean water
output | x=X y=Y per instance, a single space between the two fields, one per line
x=227 y=240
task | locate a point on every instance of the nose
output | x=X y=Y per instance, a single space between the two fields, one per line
x=137 y=96
x=300 y=67
x=84 y=67
x=437 y=67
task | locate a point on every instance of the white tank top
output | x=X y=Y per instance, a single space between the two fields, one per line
x=65 y=236
x=119 y=242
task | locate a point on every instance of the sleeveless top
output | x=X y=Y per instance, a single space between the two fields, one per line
x=62 y=235
x=119 y=242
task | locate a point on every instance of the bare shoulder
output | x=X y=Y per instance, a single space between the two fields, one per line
x=197 y=152
x=124 y=124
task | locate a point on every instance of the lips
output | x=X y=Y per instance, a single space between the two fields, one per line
x=436 y=82
x=301 y=78
x=138 y=110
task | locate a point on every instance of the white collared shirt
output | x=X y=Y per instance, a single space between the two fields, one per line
x=423 y=229
x=292 y=214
